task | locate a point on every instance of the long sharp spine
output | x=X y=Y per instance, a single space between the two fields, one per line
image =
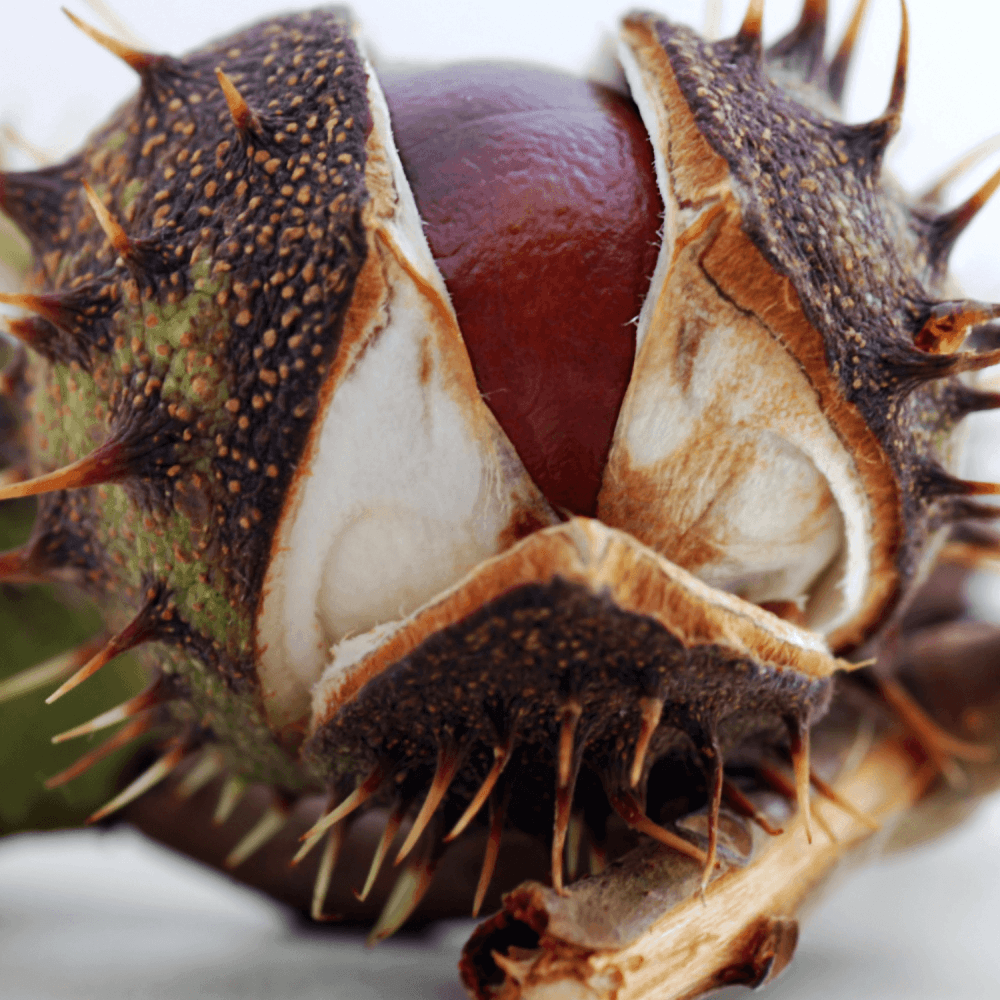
x=211 y=765
x=358 y=797
x=136 y=728
x=501 y=755
x=804 y=43
x=650 y=712
x=937 y=483
x=632 y=813
x=497 y=811
x=35 y=332
x=841 y=63
x=107 y=464
x=34 y=200
x=567 y=765
x=799 y=735
x=920 y=367
x=324 y=873
x=111 y=226
x=229 y=798
x=752 y=29
x=410 y=888
x=47 y=306
x=948 y=227
x=894 y=110
x=970 y=488
x=141 y=629
x=788 y=787
x=714 y=756
x=141 y=62
x=876 y=135
x=67 y=325
x=735 y=798
x=448 y=763
x=49 y=671
x=154 y=695
x=966 y=401
x=270 y=824
x=147 y=780
x=392 y=825
x=932 y=195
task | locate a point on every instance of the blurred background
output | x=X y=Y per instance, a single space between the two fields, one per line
x=85 y=914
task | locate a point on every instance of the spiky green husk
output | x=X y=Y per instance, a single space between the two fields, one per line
x=190 y=357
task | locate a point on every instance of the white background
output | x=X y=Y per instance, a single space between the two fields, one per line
x=82 y=916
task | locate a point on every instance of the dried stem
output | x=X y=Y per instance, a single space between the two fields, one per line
x=744 y=932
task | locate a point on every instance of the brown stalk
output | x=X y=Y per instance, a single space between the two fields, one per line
x=743 y=932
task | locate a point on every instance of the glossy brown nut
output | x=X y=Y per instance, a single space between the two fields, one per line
x=541 y=208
